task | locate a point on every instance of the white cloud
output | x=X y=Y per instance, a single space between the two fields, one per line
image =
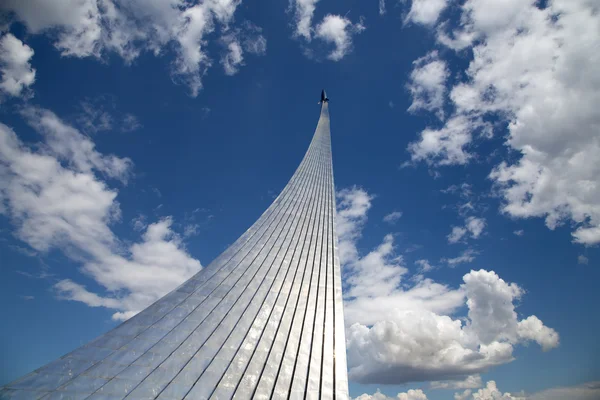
x=96 y=28
x=447 y=145
x=392 y=217
x=378 y=273
x=581 y=259
x=55 y=198
x=420 y=345
x=473 y=226
x=489 y=392
x=463 y=396
x=426 y=12
x=338 y=31
x=333 y=29
x=247 y=39
x=470 y=382
x=304 y=12
x=412 y=394
x=398 y=333
x=15 y=67
x=458 y=232
x=534 y=70
x=466 y=256
x=69 y=290
x=192 y=61
x=424 y=265
x=465 y=190
x=68 y=144
x=353 y=204
x=519 y=232
x=94 y=117
x=100 y=114
x=587 y=391
x=130 y=123
x=139 y=223
x=381 y=7
x=253 y=40
x=233 y=58
x=190 y=230
x=533 y=329
x=427 y=84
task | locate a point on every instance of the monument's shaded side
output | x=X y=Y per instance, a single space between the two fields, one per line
x=263 y=320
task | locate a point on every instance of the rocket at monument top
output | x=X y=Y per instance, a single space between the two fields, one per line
x=323 y=97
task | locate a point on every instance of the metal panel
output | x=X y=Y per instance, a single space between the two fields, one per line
x=263 y=320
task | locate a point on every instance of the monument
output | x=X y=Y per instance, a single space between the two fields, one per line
x=263 y=320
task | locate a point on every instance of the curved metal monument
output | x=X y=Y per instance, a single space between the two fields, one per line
x=263 y=320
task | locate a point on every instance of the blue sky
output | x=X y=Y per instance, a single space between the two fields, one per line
x=136 y=146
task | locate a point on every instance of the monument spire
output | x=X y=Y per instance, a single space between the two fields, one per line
x=263 y=320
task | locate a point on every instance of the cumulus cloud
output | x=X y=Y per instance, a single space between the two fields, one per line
x=334 y=29
x=533 y=329
x=489 y=392
x=15 y=66
x=534 y=71
x=586 y=391
x=338 y=31
x=427 y=84
x=96 y=28
x=447 y=145
x=392 y=217
x=473 y=226
x=398 y=333
x=426 y=12
x=56 y=197
x=419 y=344
x=412 y=394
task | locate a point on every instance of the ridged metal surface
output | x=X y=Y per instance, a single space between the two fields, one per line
x=263 y=320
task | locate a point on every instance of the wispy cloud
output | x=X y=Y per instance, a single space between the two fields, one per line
x=56 y=197
x=466 y=256
x=392 y=217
